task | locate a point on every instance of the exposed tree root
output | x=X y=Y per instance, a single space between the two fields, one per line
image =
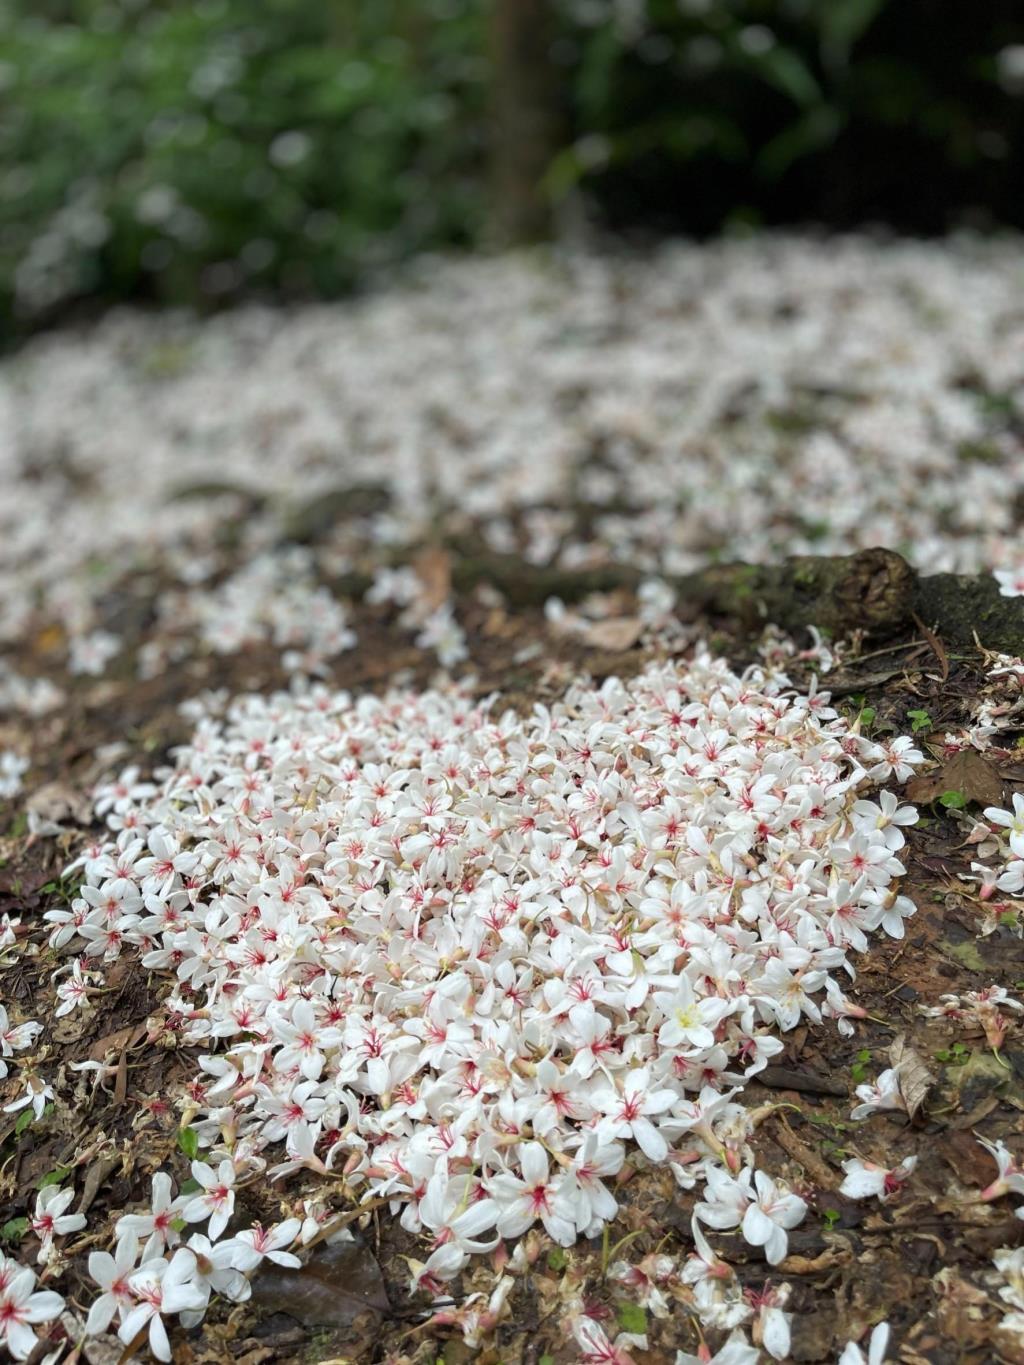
x=875 y=591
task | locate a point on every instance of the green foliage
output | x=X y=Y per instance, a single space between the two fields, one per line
x=953 y=800
x=188 y=1142
x=956 y=1055
x=632 y=1318
x=920 y=720
x=859 y=1070
x=54 y=1177
x=27 y=1116
x=13 y=1231
x=831 y=1217
x=188 y=152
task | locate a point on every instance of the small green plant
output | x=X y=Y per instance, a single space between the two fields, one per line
x=859 y=1069
x=188 y=1141
x=13 y=1231
x=956 y=1055
x=557 y=1259
x=54 y=1177
x=831 y=1217
x=919 y=720
x=632 y=1318
x=953 y=800
x=832 y=1151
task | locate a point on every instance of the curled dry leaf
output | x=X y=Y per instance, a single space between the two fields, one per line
x=617 y=633
x=912 y=1074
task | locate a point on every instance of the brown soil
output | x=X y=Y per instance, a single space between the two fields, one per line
x=923 y=1261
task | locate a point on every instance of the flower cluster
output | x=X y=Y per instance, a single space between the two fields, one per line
x=689 y=406
x=154 y=1274
x=472 y=961
x=273 y=598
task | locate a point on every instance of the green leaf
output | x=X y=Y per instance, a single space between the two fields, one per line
x=786 y=70
x=190 y=1186
x=54 y=1177
x=953 y=800
x=557 y=1259
x=188 y=1141
x=632 y=1318
x=14 y=1230
x=24 y=1119
x=842 y=22
x=817 y=128
x=920 y=720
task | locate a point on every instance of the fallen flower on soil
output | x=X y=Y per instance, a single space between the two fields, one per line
x=416 y=937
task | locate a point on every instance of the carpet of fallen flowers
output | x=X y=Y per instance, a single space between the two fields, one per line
x=395 y=975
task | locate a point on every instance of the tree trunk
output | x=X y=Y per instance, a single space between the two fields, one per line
x=524 y=119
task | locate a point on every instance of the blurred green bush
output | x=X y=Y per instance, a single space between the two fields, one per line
x=187 y=152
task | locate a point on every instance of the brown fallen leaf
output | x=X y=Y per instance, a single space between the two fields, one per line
x=618 y=633
x=813 y=1265
x=967 y=772
x=912 y=1075
x=331 y=1290
x=433 y=567
x=54 y=803
x=119 y=1041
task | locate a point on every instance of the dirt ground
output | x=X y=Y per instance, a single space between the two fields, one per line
x=922 y=1261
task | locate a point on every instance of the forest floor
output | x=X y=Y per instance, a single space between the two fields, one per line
x=923 y=1262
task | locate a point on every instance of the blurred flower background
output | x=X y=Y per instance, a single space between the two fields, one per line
x=498 y=357
x=196 y=152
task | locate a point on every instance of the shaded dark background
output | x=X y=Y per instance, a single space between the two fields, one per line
x=197 y=153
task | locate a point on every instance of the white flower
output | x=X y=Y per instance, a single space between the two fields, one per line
x=853 y=1355
x=161 y=1288
x=158 y=1225
x=21 y=1308
x=251 y=1246
x=215 y=1272
x=736 y=1351
x=884 y=1094
x=768 y=1218
x=37 y=1093
x=217 y=1201
x=15 y=1037
x=1011 y=1177
x=50 y=1220
x=1011 y=581
x=111 y=1273
x=522 y=1200
x=628 y=1110
x=12 y=769
x=866 y=1180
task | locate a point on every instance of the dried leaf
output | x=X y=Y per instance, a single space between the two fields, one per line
x=55 y=802
x=119 y=1041
x=912 y=1075
x=331 y=1290
x=967 y=772
x=617 y=634
x=433 y=567
x=97 y=1173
